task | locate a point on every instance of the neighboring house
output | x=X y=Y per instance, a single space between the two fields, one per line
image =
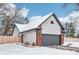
x=46 y=31
x=16 y=30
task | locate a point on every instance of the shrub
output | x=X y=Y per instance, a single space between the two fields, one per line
x=33 y=44
x=27 y=43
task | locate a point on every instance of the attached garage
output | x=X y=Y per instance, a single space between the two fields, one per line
x=49 y=40
x=46 y=31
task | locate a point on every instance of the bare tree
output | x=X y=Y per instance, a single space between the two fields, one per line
x=73 y=20
x=9 y=14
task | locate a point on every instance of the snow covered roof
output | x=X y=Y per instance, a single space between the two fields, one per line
x=32 y=25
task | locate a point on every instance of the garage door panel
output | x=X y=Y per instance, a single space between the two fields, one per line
x=49 y=40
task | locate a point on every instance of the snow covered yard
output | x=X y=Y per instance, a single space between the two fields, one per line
x=71 y=44
x=17 y=49
x=14 y=49
x=74 y=42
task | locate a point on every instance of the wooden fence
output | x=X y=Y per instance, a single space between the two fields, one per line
x=10 y=39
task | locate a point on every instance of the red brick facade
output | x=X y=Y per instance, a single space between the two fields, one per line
x=39 y=37
x=62 y=37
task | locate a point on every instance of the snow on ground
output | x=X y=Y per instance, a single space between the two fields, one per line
x=74 y=42
x=71 y=39
x=13 y=49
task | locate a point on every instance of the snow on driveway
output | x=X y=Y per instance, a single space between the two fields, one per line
x=13 y=49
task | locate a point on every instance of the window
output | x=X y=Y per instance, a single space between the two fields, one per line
x=52 y=22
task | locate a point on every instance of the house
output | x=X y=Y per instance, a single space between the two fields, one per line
x=15 y=30
x=44 y=32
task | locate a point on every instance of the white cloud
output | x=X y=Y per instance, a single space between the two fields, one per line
x=73 y=15
x=34 y=18
x=24 y=12
x=64 y=19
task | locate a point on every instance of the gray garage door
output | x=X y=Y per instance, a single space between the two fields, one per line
x=49 y=40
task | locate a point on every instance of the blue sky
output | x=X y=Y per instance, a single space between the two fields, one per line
x=40 y=9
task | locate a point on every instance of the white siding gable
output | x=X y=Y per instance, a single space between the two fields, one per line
x=48 y=28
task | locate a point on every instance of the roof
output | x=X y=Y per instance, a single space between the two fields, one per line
x=35 y=24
